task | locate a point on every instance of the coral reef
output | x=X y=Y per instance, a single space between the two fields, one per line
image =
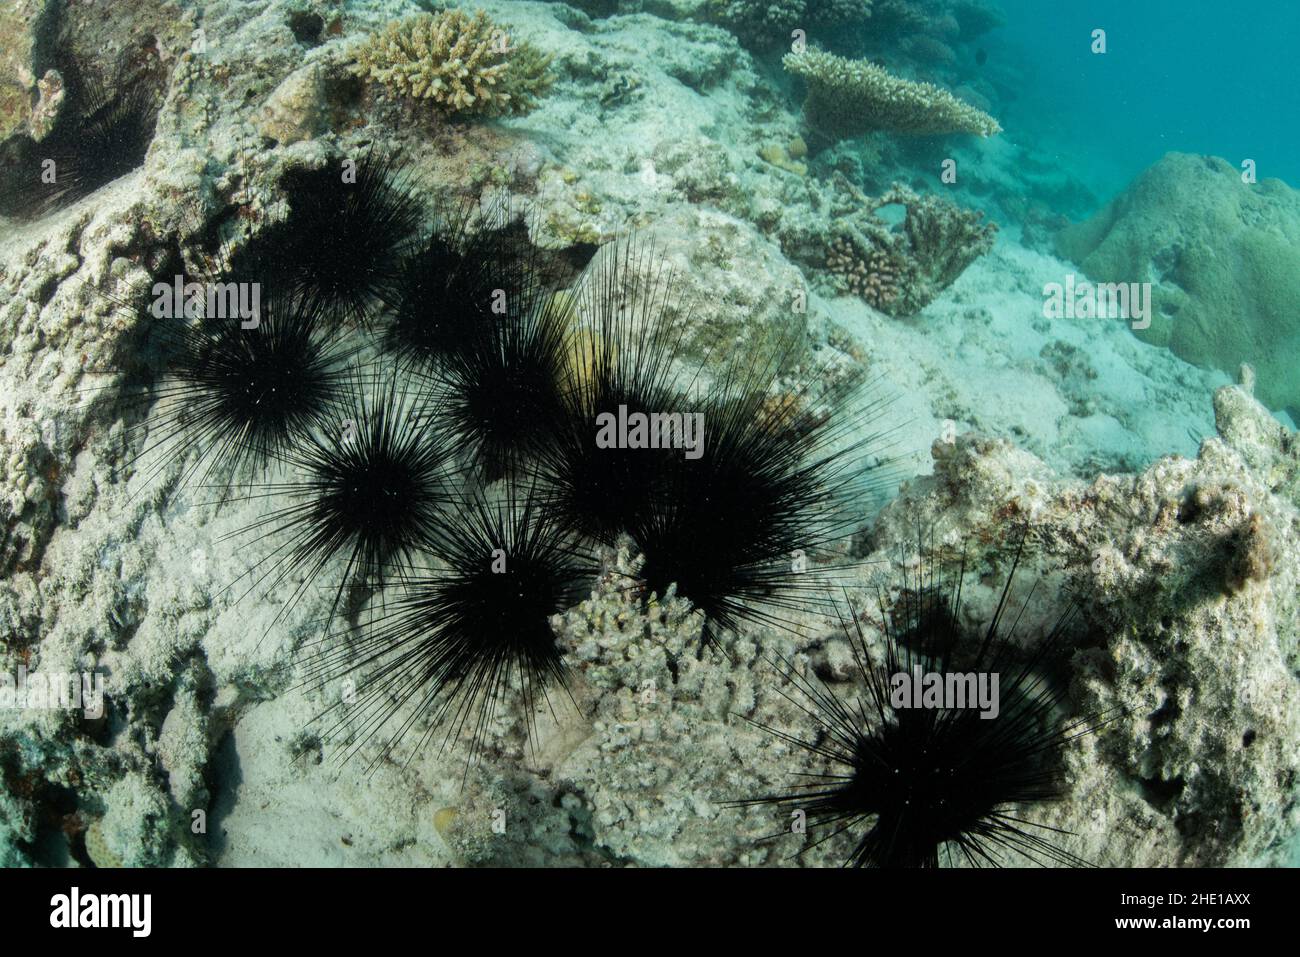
x=900 y=271
x=1224 y=260
x=1188 y=565
x=766 y=24
x=459 y=63
x=850 y=97
x=976 y=17
x=1198 y=764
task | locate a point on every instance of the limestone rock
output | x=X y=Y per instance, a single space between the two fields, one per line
x=295 y=111
x=23 y=25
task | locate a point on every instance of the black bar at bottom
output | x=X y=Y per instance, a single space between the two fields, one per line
x=301 y=907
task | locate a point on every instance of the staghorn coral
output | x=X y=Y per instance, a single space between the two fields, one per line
x=900 y=271
x=460 y=63
x=849 y=97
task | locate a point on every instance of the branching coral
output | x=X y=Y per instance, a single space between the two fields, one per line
x=874 y=275
x=848 y=97
x=900 y=271
x=460 y=63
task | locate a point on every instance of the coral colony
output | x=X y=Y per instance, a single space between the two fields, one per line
x=596 y=485
x=847 y=95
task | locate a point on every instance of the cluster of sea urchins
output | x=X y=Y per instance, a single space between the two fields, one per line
x=427 y=403
x=429 y=408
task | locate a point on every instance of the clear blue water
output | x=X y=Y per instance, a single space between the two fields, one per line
x=1196 y=76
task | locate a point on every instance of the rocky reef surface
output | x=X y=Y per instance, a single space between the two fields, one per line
x=1162 y=495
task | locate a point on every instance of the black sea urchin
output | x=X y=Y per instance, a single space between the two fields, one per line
x=775 y=473
x=369 y=491
x=779 y=478
x=504 y=389
x=622 y=357
x=455 y=282
x=350 y=226
x=461 y=635
x=919 y=783
x=101 y=137
x=474 y=314
x=250 y=372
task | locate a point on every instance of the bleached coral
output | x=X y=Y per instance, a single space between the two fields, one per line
x=848 y=97
x=459 y=63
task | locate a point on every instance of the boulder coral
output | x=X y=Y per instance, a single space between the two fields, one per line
x=1223 y=258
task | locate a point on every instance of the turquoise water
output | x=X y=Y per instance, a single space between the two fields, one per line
x=1195 y=76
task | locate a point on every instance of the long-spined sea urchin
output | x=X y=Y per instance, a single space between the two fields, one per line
x=916 y=786
x=465 y=631
x=367 y=495
x=101 y=136
x=350 y=226
x=241 y=390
